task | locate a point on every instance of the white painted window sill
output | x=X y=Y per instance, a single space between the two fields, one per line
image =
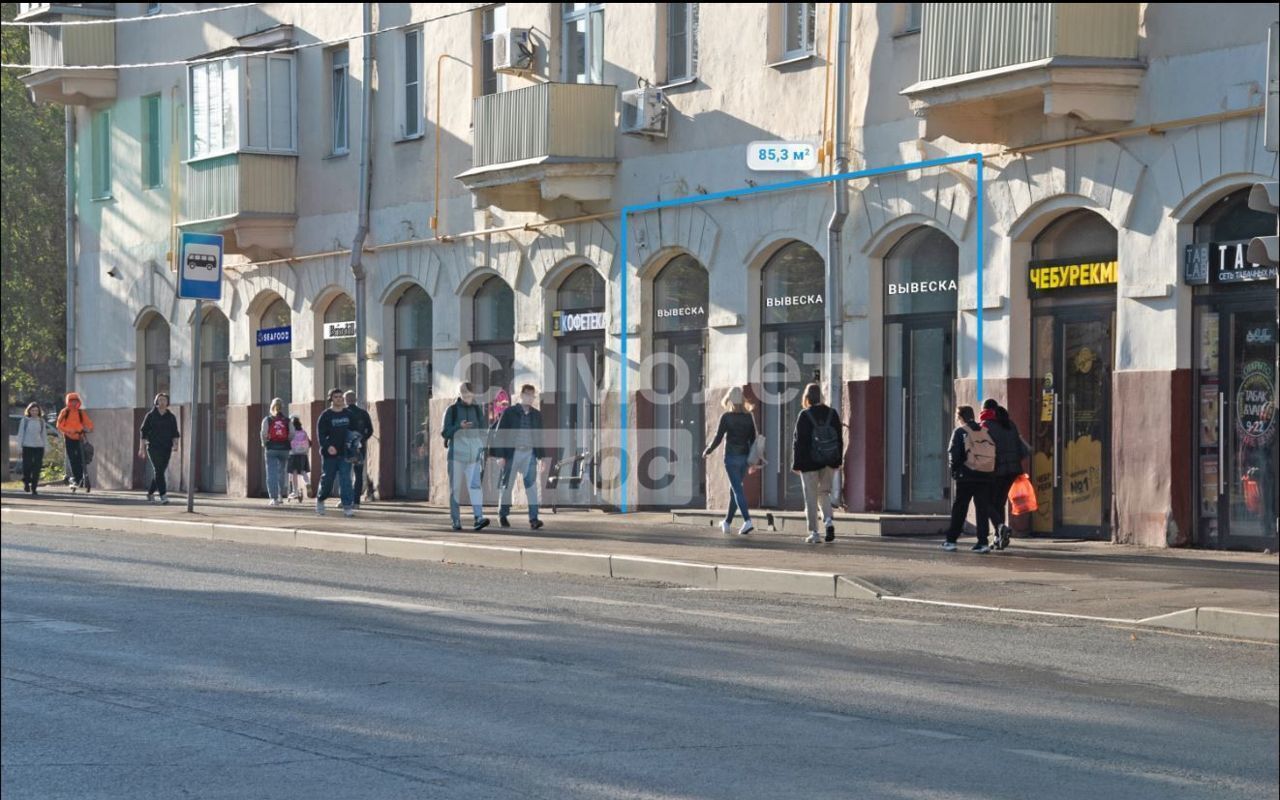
x=796 y=59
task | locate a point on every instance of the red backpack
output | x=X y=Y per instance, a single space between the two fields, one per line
x=278 y=430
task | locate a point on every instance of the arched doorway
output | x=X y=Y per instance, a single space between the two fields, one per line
x=1072 y=282
x=153 y=368
x=920 y=275
x=340 y=344
x=1234 y=366
x=275 y=363
x=413 y=318
x=492 y=345
x=578 y=325
x=679 y=319
x=791 y=299
x=215 y=350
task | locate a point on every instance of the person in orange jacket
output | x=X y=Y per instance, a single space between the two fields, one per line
x=75 y=426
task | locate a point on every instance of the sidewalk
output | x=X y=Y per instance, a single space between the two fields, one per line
x=1109 y=583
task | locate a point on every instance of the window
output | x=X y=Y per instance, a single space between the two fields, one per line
x=912 y=22
x=582 y=290
x=275 y=360
x=682 y=41
x=151 y=163
x=799 y=23
x=582 y=42
x=100 y=147
x=155 y=358
x=153 y=8
x=411 y=122
x=339 y=70
x=270 y=109
x=213 y=102
x=340 y=344
x=492 y=21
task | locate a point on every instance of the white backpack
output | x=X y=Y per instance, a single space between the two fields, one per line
x=979 y=450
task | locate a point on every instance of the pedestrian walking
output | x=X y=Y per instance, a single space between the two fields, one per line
x=973 y=463
x=31 y=439
x=157 y=437
x=332 y=431
x=299 y=461
x=464 y=432
x=75 y=426
x=276 y=435
x=519 y=453
x=1010 y=452
x=737 y=429
x=818 y=450
x=361 y=423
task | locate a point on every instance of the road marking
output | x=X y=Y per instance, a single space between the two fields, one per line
x=928 y=734
x=51 y=625
x=828 y=715
x=604 y=601
x=895 y=621
x=435 y=611
x=1043 y=755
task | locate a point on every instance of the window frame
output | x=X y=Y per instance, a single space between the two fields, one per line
x=808 y=34
x=100 y=155
x=569 y=16
x=691 y=25
x=339 y=73
x=404 y=84
x=152 y=142
x=498 y=15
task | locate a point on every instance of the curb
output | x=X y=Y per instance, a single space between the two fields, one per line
x=1206 y=620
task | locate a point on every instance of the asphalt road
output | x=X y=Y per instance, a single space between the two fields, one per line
x=150 y=667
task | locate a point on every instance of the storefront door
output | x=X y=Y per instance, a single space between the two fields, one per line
x=800 y=347
x=1236 y=396
x=414 y=422
x=214 y=391
x=680 y=426
x=919 y=411
x=1072 y=460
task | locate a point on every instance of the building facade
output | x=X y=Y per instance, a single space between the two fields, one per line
x=1123 y=328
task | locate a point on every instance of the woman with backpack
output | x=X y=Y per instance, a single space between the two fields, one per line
x=159 y=432
x=738 y=430
x=299 y=461
x=31 y=439
x=817 y=452
x=973 y=463
x=276 y=438
x=75 y=426
x=1010 y=451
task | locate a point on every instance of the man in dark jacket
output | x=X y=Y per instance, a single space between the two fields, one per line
x=331 y=435
x=519 y=450
x=463 y=431
x=158 y=435
x=1010 y=451
x=362 y=424
x=971 y=484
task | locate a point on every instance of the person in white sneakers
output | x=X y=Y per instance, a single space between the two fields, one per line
x=817 y=452
x=331 y=434
x=738 y=430
x=275 y=435
x=157 y=438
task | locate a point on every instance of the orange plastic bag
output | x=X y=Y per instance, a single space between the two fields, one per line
x=1022 y=495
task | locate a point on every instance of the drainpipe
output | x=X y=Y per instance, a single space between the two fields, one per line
x=69 y=230
x=832 y=309
x=362 y=225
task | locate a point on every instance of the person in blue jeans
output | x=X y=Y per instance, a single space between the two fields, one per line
x=331 y=434
x=519 y=452
x=738 y=430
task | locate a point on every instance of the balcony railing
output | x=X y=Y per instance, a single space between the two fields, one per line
x=546 y=121
x=240 y=183
x=73 y=46
x=963 y=38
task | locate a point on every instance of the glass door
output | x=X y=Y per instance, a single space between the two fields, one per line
x=581 y=369
x=1237 y=395
x=1071 y=464
x=678 y=419
x=215 y=394
x=413 y=420
x=919 y=383
x=800 y=348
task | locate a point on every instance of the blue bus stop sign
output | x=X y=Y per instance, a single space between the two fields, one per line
x=200 y=266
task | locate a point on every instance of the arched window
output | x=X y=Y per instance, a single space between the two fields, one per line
x=155 y=357
x=492 y=347
x=413 y=314
x=920 y=274
x=680 y=296
x=582 y=290
x=275 y=361
x=340 y=344
x=1080 y=234
x=793 y=286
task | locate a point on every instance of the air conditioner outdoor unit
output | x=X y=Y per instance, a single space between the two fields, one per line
x=512 y=51
x=644 y=112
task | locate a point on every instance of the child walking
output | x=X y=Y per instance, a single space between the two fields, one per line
x=299 y=461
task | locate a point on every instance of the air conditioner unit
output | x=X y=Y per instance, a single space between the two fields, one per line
x=513 y=51
x=644 y=112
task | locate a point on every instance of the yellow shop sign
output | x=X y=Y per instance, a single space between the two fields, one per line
x=1045 y=277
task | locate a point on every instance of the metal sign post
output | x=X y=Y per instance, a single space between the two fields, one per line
x=199 y=278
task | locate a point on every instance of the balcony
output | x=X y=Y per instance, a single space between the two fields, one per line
x=249 y=198
x=542 y=143
x=983 y=64
x=64 y=53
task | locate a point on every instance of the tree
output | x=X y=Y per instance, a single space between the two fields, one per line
x=33 y=266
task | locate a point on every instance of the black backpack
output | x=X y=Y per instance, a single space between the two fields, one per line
x=824 y=446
